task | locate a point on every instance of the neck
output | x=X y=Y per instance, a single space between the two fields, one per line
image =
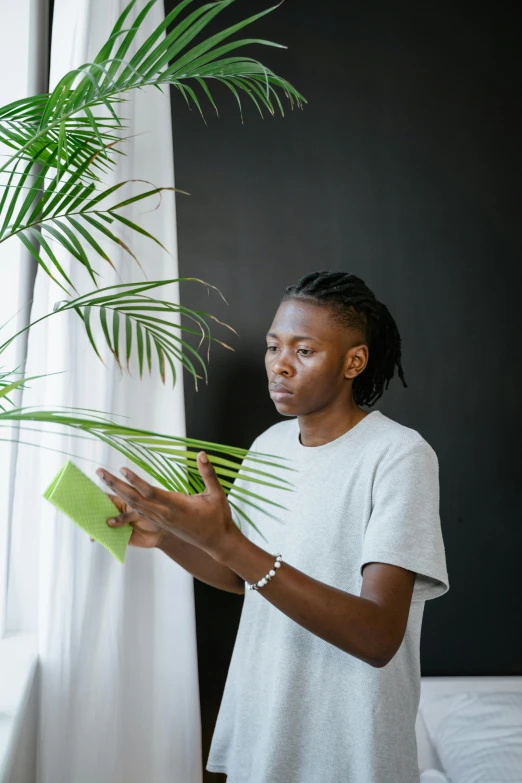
x=325 y=425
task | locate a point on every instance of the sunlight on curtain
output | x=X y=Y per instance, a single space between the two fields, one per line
x=119 y=697
x=23 y=72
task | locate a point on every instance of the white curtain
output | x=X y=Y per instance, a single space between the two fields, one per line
x=23 y=72
x=119 y=694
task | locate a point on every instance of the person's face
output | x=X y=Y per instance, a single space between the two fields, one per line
x=311 y=359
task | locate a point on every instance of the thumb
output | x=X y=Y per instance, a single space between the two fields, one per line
x=208 y=474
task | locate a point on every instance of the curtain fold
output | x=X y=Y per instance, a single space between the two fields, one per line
x=119 y=696
x=23 y=72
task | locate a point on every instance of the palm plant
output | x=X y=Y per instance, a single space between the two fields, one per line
x=61 y=145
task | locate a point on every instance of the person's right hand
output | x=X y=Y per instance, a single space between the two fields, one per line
x=145 y=534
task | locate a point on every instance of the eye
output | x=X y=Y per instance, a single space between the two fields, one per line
x=269 y=348
x=306 y=351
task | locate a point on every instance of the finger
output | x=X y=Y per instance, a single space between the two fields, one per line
x=118 y=502
x=123 y=519
x=160 y=497
x=208 y=474
x=144 y=488
x=132 y=496
x=121 y=488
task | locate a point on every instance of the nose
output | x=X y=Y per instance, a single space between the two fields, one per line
x=281 y=364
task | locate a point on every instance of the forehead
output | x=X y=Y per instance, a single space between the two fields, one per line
x=301 y=318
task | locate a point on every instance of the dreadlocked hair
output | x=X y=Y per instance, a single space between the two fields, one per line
x=353 y=305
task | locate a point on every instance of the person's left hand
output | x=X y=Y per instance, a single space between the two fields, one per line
x=204 y=520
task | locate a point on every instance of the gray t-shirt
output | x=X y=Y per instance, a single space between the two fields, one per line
x=297 y=709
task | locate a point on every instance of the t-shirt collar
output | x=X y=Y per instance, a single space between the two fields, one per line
x=353 y=432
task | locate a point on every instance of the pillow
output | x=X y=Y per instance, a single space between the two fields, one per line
x=433 y=776
x=477 y=736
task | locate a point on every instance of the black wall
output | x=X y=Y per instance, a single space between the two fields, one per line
x=405 y=169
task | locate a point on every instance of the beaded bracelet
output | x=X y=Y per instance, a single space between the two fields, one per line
x=262 y=582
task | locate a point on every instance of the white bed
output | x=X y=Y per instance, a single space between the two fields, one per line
x=438 y=686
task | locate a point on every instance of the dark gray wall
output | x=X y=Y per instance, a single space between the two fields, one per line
x=405 y=169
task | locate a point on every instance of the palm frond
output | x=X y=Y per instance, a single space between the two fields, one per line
x=89 y=139
x=61 y=145
x=130 y=319
x=80 y=118
x=64 y=142
x=7 y=385
x=75 y=214
x=172 y=460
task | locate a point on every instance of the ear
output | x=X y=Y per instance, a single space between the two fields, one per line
x=356 y=360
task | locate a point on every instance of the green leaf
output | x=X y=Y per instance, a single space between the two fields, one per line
x=161 y=359
x=105 y=328
x=216 y=39
x=96 y=223
x=28 y=244
x=135 y=227
x=73 y=246
x=137 y=59
x=116 y=333
x=128 y=339
x=139 y=341
x=182 y=34
x=148 y=347
x=14 y=197
x=86 y=317
x=39 y=238
x=5 y=390
x=89 y=238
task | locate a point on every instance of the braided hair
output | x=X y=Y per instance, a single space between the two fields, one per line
x=353 y=305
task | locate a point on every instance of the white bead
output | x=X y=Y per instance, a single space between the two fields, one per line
x=272 y=573
x=277 y=565
x=260 y=583
x=279 y=557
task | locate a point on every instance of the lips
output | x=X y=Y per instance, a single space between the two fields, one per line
x=279 y=388
x=279 y=393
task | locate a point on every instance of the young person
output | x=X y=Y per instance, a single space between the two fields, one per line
x=324 y=681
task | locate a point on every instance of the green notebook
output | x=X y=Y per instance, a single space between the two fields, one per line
x=74 y=493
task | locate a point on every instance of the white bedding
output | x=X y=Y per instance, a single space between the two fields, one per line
x=432 y=688
x=479 y=737
x=462 y=719
x=433 y=776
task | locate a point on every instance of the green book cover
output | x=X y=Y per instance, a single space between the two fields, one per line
x=74 y=493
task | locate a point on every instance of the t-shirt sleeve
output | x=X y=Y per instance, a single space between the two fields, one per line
x=404 y=527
